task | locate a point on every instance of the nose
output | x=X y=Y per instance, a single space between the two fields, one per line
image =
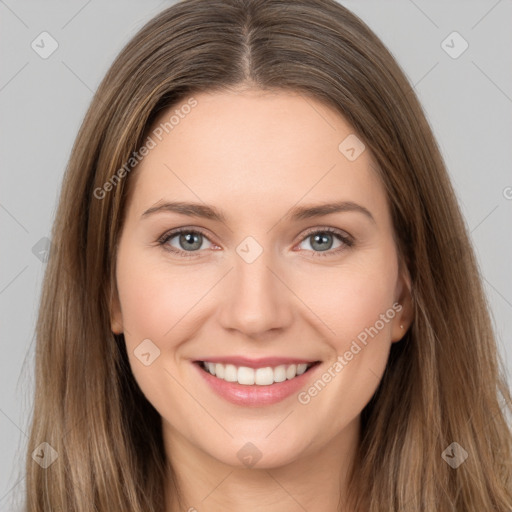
x=256 y=299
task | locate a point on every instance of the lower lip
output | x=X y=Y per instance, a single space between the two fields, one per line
x=254 y=395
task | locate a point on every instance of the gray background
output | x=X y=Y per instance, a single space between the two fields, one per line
x=468 y=101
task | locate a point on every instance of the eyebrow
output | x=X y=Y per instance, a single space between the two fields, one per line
x=295 y=214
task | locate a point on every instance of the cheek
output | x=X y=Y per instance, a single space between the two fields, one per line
x=157 y=302
x=156 y=296
x=355 y=302
x=351 y=298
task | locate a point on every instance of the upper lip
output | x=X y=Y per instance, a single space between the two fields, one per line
x=256 y=363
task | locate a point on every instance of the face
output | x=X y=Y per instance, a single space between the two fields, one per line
x=262 y=281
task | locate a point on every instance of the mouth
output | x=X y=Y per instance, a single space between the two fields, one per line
x=262 y=376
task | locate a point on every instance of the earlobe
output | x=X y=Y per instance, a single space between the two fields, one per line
x=116 y=326
x=116 y=318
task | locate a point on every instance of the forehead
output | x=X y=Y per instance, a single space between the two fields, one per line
x=253 y=150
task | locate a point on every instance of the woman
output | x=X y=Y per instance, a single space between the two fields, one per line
x=262 y=294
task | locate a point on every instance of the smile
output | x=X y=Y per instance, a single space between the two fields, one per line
x=265 y=376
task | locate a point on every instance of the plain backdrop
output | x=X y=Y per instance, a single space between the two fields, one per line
x=467 y=99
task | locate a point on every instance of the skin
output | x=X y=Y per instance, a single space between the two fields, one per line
x=254 y=155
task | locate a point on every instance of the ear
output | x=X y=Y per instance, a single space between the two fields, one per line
x=116 y=317
x=403 y=297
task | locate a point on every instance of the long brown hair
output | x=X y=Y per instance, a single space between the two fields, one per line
x=443 y=382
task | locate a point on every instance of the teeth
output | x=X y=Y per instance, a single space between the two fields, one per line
x=211 y=368
x=230 y=373
x=250 y=376
x=301 y=368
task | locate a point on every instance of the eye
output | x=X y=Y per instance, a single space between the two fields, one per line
x=321 y=241
x=191 y=241
x=188 y=241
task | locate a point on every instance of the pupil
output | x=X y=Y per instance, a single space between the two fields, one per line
x=322 y=239
x=188 y=238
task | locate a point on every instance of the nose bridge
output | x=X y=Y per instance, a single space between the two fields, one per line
x=256 y=300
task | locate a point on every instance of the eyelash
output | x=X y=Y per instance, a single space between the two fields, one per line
x=347 y=241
